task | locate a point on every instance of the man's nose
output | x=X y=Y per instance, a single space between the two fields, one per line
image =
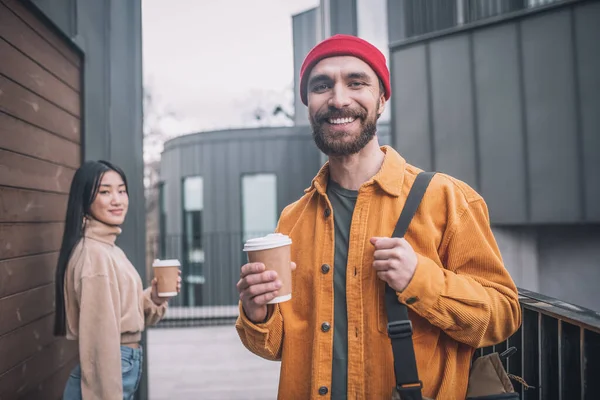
x=339 y=97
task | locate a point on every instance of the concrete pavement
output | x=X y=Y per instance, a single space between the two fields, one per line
x=207 y=363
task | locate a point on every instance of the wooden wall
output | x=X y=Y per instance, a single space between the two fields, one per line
x=40 y=148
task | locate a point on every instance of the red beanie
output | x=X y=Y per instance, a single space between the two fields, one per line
x=345 y=45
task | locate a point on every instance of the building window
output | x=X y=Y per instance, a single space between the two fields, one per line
x=193 y=251
x=259 y=205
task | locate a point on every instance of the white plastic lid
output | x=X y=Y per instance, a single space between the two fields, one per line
x=166 y=263
x=270 y=241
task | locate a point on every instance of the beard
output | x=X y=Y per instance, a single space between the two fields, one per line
x=333 y=143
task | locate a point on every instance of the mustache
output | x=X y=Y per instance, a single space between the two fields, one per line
x=334 y=113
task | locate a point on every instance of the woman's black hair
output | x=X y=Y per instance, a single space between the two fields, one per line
x=84 y=188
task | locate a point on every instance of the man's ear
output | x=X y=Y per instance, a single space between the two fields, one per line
x=381 y=106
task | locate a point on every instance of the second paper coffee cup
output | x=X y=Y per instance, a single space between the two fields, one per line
x=167 y=274
x=273 y=251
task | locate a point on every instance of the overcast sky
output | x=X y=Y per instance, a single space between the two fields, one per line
x=212 y=61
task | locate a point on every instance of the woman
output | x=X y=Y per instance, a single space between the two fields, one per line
x=100 y=300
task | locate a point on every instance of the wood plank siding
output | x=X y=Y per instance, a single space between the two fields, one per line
x=40 y=149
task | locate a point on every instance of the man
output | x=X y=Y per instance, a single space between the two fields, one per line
x=331 y=336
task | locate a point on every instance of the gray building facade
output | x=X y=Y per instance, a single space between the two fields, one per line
x=504 y=96
x=510 y=105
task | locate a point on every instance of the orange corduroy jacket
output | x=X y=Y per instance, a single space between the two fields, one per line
x=460 y=298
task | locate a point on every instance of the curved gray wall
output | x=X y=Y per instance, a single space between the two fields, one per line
x=221 y=158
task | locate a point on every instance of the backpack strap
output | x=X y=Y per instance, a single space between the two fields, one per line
x=399 y=326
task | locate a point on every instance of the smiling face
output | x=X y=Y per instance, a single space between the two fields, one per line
x=344 y=102
x=111 y=203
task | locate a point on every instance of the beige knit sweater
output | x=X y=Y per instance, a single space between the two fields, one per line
x=106 y=306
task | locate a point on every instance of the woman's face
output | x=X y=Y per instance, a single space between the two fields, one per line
x=111 y=202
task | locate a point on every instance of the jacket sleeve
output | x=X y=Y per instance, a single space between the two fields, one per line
x=100 y=338
x=152 y=312
x=472 y=298
x=266 y=339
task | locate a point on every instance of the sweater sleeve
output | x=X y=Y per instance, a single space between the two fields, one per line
x=152 y=312
x=266 y=339
x=472 y=298
x=99 y=338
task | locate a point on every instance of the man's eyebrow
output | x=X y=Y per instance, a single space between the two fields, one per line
x=319 y=78
x=359 y=75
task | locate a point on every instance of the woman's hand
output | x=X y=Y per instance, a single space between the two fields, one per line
x=154 y=293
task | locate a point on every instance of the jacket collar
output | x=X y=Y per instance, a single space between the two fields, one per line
x=389 y=177
x=100 y=231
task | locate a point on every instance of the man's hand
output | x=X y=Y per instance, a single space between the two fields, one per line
x=256 y=288
x=395 y=261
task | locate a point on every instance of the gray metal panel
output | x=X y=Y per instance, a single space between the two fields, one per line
x=61 y=12
x=343 y=17
x=410 y=105
x=206 y=153
x=216 y=186
x=454 y=133
x=92 y=20
x=587 y=31
x=234 y=201
x=568 y=263
x=551 y=117
x=304 y=27
x=396 y=20
x=126 y=118
x=230 y=180
x=499 y=123
x=279 y=164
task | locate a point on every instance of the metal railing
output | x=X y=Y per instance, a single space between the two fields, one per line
x=558 y=350
x=210 y=269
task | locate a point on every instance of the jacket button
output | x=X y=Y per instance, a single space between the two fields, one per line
x=325 y=268
x=325 y=327
x=323 y=390
x=412 y=300
x=327 y=212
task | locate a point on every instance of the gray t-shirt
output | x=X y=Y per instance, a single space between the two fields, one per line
x=343 y=202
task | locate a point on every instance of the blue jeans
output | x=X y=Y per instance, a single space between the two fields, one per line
x=131 y=368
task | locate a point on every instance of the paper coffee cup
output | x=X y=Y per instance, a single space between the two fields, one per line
x=167 y=274
x=273 y=251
